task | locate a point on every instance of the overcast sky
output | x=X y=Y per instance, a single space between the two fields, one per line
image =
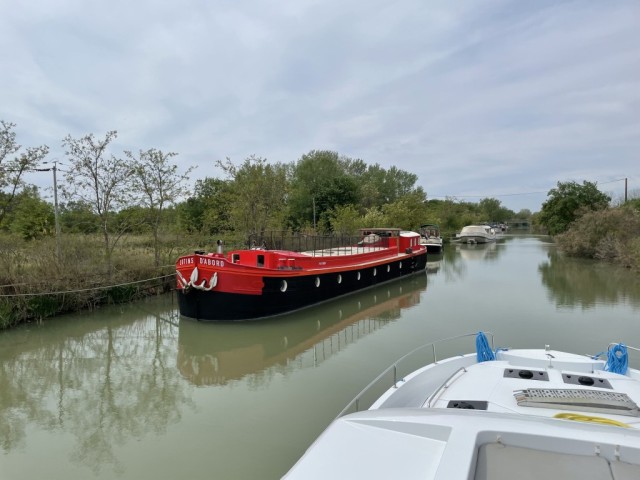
x=480 y=99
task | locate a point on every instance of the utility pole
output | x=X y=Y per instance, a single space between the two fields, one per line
x=55 y=208
x=625 y=190
x=314 y=213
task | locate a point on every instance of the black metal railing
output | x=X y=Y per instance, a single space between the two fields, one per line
x=317 y=245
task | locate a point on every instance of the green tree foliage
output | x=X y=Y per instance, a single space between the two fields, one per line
x=374 y=216
x=492 y=211
x=191 y=215
x=407 y=212
x=78 y=217
x=345 y=219
x=258 y=192
x=567 y=202
x=339 y=192
x=14 y=164
x=207 y=211
x=103 y=182
x=31 y=217
x=135 y=219
x=319 y=183
x=159 y=184
x=322 y=181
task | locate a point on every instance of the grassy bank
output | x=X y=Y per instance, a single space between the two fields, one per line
x=35 y=285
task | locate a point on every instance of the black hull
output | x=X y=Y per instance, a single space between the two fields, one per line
x=301 y=292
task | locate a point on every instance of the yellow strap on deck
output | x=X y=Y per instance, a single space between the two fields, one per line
x=588 y=418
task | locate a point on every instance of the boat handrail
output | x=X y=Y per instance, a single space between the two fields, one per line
x=629 y=347
x=394 y=367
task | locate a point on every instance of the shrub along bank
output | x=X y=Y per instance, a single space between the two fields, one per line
x=612 y=235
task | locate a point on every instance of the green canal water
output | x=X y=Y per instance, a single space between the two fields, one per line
x=136 y=392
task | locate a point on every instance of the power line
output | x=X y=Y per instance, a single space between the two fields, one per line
x=495 y=195
x=516 y=194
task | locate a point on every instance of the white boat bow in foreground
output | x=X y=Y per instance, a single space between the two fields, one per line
x=525 y=414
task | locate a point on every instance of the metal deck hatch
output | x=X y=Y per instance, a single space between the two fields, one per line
x=584 y=400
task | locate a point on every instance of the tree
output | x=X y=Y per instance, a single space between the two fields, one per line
x=407 y=212
x=208 y=210
x=159 y=184
x=380 y=186
x=338 y=192
x=78 y=217
x=101 y=181
x=568 y=202
x=345 y=220
x=30 y=217
x=313 y=180
x=258 y=194
x=490 y=208
x=12 y=169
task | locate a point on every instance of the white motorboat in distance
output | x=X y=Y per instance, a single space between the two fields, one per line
x=430 y=237
x=476 y=234
x=508 y=414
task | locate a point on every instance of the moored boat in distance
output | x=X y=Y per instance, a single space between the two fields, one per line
x=476 y=234
x=503 y=414
x=289 y=274
x=430 y=237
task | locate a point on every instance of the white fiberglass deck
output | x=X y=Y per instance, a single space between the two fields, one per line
x=451 y=444
x=462 y=379
x=459 y=419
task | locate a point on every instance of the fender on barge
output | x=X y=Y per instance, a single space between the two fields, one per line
x=255 y=283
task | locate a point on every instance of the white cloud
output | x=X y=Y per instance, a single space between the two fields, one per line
x=477 y=98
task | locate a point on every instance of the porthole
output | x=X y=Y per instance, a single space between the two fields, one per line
x=388 y=268
x=358 y=276
x=400 y=265
x=375 y=272
x=317 y=281
x=339 y=278
x=283 y=286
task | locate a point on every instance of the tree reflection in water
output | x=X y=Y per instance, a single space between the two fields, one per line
x=86 y=379
x=573 y=282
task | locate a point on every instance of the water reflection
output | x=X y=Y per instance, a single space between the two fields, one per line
x=100 y=383
x=434 y=262
x=215 y=354
x=572 y=282
x=479 y=251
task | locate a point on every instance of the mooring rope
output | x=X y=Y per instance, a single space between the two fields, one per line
x=483 y=350
x=103 y=287
x=617 y=359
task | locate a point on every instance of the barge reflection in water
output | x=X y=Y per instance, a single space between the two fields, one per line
x=214 y=354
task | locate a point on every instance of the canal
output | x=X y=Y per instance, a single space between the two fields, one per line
x=135 y=392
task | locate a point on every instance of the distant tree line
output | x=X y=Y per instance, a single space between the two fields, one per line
x=114 y=194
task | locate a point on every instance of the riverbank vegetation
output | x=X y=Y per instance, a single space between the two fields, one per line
x=124 y=217
x=584 y=224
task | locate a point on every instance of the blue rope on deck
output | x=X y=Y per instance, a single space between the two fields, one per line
x=617 y=359
x=483 y=350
